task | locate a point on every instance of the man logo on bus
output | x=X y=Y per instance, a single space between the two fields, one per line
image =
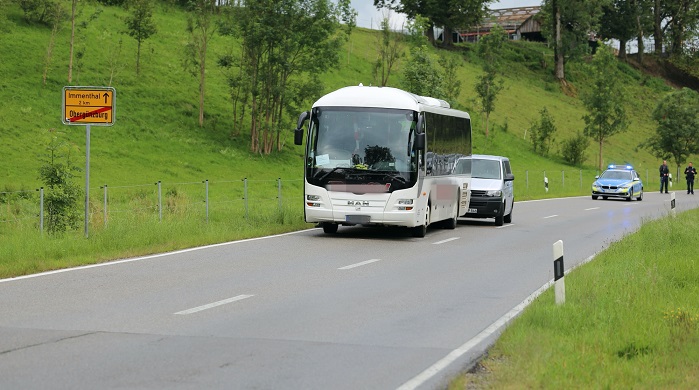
x=357 y=203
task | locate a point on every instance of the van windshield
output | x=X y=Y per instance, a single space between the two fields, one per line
x=485 y=169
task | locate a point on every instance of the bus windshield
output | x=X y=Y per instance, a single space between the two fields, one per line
x=360 y=146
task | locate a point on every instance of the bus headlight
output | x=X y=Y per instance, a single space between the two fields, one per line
x=312 y=200
x=405 y=204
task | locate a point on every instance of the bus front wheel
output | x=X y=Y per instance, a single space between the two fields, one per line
x=421 y=231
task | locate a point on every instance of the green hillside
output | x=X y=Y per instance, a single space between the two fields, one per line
x=156 y=136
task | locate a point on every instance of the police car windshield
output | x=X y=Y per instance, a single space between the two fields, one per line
x=617 y=175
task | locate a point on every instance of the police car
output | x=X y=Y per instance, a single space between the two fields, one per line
x=618 y=181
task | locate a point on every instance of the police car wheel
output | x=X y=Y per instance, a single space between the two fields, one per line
x=594 y=197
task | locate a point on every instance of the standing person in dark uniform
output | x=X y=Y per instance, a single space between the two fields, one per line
x=664 y=173
x=690 y=172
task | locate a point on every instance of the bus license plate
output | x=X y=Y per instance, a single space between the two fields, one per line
x=357 y=219
x=472 y=211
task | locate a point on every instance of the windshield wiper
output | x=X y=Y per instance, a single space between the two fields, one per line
x=328 y=173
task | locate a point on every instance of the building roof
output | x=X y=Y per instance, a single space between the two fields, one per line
x=510 y=19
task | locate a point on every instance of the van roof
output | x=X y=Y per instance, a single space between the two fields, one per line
x=488 y=157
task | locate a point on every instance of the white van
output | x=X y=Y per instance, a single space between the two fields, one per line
x=492 y=187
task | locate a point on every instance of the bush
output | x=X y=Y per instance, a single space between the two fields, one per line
x=573 y=149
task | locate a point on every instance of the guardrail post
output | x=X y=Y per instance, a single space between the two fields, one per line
x=546 y=182
x=672 y=204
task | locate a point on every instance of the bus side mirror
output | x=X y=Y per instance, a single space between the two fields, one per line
x=298 y=132
x=419 y=141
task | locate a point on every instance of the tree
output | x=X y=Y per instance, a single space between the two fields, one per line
x=449 y=14
x=452 y=85
x=677 y=134
x=284 y=46
x=390 y=49
x=72 y=39
x=568 y=23
x=201 y=27
x=62 y=194
x=140 y=25
x=619 y=22
x=604 y=101
x=58 y=14
x=488 y=86
x=421 y=76
x=348 y=16
x=452 y=14
x=683 y=17
x=541 y=133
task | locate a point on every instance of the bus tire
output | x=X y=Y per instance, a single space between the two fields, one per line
x=421 y=231
x=453 y=221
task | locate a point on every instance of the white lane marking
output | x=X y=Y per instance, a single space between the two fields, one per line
x=504 y=226
x=58 y=271
x=214 y=304
x=447 y=240
x=592 y=208
x=551 y=216
x=495 y=327
x=359 y=264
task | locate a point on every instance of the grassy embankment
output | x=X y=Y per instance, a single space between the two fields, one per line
x=630 y=317
x=630 y=320
x=156 y=138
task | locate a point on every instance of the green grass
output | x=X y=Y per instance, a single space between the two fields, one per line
x=630 y=320
x=631 y=315
x=156 y=136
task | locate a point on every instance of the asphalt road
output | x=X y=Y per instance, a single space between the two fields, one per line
x=365 y=308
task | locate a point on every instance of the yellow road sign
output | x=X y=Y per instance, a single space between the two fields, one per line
x=89 y=105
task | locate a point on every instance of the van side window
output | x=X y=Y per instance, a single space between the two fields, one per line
x=506 y=166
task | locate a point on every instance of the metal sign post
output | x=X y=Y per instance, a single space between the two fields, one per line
x=88 y=106
x=87 y=178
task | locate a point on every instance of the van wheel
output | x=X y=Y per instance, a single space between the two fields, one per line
x=500 y=218
x=421 y=231
x=329 y=228
x=508 y=217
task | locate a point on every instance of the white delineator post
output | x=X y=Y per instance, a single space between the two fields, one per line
x=558 y=271
x=672 y=204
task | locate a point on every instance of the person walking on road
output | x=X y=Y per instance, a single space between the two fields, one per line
x=690 y=172
x=664 y=173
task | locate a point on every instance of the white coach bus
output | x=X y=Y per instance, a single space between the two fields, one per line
x=383 y=156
